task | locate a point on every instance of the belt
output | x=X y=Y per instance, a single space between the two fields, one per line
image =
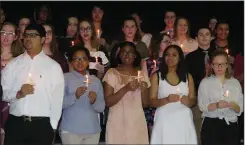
x=30 y=118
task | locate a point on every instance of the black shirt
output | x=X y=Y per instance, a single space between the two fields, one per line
x=196 y=65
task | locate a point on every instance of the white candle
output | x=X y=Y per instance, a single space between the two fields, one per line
x=227 y=93
x=227 y=51
x=30 y=80
x=98 y=33
x=181 y=45
x=72 y=43
x=86 y=80
x=168 y=33
x=96 y=59
x=155 y=63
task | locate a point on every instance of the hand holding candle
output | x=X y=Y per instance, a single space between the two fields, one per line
x=155 y=63
x=30 y=79
x=86 y=81
x=139 y=76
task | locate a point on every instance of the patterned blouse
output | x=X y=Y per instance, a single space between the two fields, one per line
x=150 y=112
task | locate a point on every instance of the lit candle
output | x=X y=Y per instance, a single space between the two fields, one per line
x=98 y=33
x=96 y=59
x=227 y=93
x=139 y=76
x=227 y=51
x=181 y=45
x=155 y=63
x=72 y=43
x=168 y=33
x=30 y=80
x=86 y=81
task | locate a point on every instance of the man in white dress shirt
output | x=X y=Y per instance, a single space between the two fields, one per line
x=33 y=84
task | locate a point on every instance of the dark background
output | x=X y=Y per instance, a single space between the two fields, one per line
x=152 y=13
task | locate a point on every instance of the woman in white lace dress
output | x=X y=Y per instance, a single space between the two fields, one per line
x=172 y=92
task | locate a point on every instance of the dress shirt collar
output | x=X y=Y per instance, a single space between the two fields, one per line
x=39 y=55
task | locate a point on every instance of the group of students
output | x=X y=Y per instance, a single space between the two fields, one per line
x=154 y=91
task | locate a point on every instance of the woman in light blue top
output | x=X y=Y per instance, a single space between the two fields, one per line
x=220 y=99
x=83 y=100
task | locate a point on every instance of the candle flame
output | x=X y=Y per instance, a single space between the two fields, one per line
x=227 y=93
x=72 y=43
x=96 y=59
x=227 y=51
x=181 y=45
x=155 y=63
x=168 y=33
x=30 y=75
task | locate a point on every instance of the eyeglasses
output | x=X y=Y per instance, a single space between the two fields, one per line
x=78 y=59
x=216 y=65
x=130 y=54
x=5 y=33
x=30 y=35
x=88 y=29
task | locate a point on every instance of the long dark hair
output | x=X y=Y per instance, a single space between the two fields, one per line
x=181 y=67
x=137 y=36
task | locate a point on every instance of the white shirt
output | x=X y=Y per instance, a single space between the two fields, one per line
x=48 y=78
x=211 y=90
x=147 y=39
x=98 y=54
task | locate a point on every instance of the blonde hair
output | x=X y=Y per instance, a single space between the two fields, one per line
x=218 y=52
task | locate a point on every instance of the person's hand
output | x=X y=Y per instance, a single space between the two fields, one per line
x=92 y=97
x=26 y=89
x=222 y=104
x=185 y=100
x=80 y=91
x=100 y=68
x=173 y=98
x=143 y=85
x=133 y=85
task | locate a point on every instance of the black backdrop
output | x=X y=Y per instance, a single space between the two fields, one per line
x=198 y=13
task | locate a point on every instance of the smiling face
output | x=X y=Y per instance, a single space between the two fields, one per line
x=80 y=61
x=222 y=31
x=204 y=37
x=85 y=30
x=129 y=28
x=127 y=55
x=169 y=19
x=8 y=35
x=172 y=57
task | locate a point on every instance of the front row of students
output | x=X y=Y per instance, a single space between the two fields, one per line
x=171 y=91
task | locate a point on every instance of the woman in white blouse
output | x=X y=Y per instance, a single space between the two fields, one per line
x=220 y=99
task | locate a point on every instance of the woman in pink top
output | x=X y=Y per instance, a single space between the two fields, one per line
x=126 y=93
x=182 y=36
